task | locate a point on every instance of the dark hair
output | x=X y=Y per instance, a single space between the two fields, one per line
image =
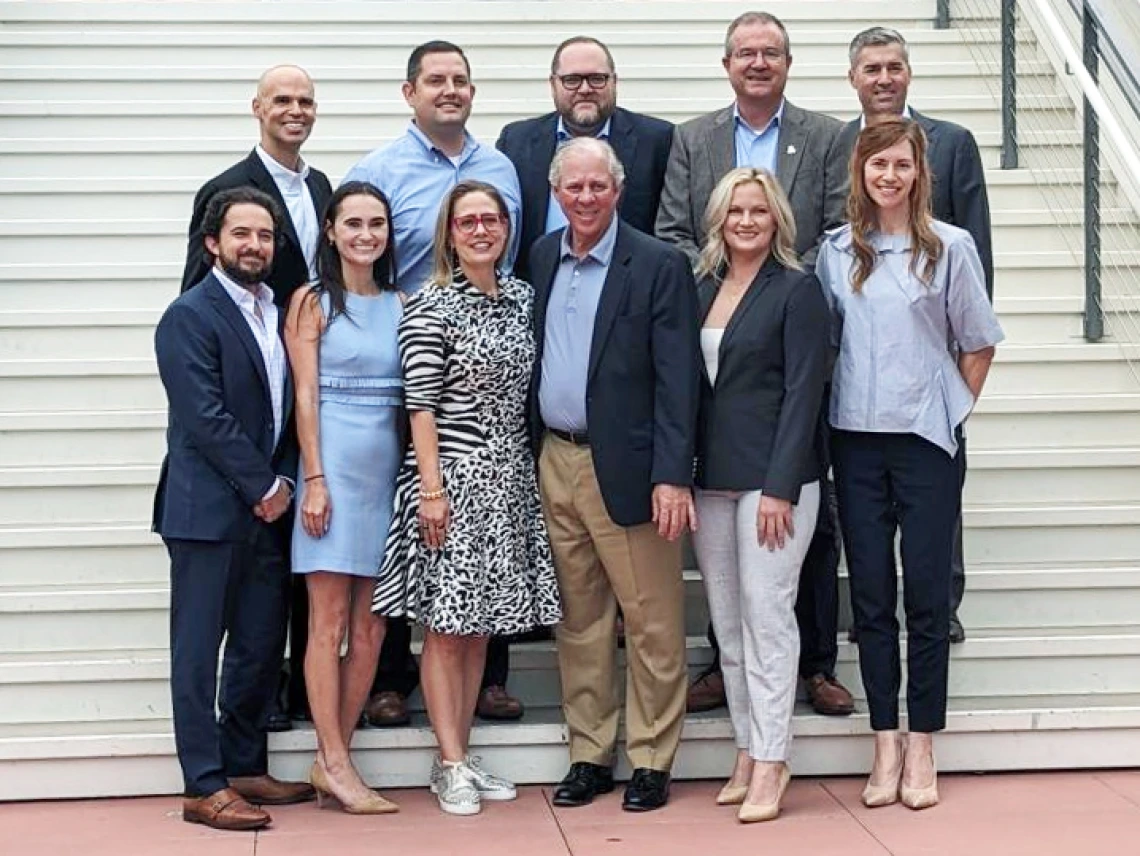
x=581 y=40
x=330 y=276
x=416 y=60
x=221 y=203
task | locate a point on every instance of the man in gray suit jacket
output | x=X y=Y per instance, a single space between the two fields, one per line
x=801 y=148
x=761 y=129
x=880 y=74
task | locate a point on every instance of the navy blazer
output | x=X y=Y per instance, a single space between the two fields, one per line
x=290 y=270
x=758 y=423
x=642 y=385
x=221 y=458
x=959 y=182
x=640 y=142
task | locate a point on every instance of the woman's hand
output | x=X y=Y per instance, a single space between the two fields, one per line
x=316 y=508
x=774 y=522
x=435 y=516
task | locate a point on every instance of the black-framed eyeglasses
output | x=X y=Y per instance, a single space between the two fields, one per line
x=469 y=223
x=574 y=81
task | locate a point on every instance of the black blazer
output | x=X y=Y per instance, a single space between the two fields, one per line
x=959 y=192
x=221 y=458
x=290 y=270
x=758 y=422
x=641 y=143
x=641 y=390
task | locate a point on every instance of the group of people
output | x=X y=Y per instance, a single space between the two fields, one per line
x=469 y=389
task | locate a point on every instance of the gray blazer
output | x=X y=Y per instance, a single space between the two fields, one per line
x=810 y=166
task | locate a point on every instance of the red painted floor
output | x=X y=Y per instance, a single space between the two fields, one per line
x=1038 y=814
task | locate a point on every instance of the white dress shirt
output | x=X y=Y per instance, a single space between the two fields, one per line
x=260 y=314
x=299 y=202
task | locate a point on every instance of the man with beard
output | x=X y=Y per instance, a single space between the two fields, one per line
x=763 y=129
x=416 y=171
x=225 y=484
x=285 y=107
x=880 y=75
x=583 y=84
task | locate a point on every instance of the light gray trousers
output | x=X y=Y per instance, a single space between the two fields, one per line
x=752 y=601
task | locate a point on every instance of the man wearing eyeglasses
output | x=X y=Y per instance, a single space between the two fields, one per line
x=583 y=84
x=416 y=171
x=802 y=149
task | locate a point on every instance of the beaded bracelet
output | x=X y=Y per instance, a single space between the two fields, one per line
x=428 y=495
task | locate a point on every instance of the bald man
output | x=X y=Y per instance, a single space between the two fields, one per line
x=285 y=107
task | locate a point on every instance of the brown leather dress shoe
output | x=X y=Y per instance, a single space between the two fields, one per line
x=828 y=696
x=387 y=710
x=706 y=693
x=224 y=809
x=497 y=705
x=266 y=790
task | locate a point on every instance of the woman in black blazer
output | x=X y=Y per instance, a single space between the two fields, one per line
x=764 y=325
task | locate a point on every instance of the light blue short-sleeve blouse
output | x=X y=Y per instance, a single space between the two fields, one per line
x=897 y=339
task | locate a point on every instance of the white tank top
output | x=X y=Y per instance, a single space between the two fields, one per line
x=710 y=349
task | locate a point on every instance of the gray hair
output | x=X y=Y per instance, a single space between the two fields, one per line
x=756 y=18
x=587 y=145
x=876 y=37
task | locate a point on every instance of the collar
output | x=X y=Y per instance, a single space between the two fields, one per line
x=906 y=114
x=469 y=144
x=602 y=252
x=561 y=135
x=278 y=171
x=774 y=122
x=241 y=295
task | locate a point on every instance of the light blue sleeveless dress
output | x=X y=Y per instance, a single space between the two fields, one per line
x=361 y=398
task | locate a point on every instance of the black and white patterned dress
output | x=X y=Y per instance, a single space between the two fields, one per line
x=468 y=358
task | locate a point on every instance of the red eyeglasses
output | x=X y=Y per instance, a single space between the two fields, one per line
x=491 y=222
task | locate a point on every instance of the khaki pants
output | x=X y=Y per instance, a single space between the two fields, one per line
x=601 y=565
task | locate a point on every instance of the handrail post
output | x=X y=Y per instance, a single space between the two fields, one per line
x=1009 y=154
x=942 y=16
x=1094 y=313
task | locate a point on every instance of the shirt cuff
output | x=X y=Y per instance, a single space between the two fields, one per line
x=276 y=486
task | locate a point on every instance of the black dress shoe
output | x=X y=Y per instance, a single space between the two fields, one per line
x=647 y=790
x=584 y=782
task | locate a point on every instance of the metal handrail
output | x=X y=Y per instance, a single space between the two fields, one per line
x=1121 y=68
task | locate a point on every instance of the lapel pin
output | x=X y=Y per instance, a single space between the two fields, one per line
x=791 y=150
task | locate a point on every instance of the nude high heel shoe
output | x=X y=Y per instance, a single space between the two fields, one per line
x=732 y=794
x=924 y=797
x=760 y=812
x=373 y=803
x=876 y=796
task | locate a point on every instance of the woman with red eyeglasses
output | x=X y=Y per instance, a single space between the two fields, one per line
x=467 y=553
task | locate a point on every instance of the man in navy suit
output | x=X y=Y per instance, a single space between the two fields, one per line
x=613 y=421
x=285 y=107
x=583 y=83
x=222 y=493
x=880 y=74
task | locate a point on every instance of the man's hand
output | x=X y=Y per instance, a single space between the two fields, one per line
x=271 y=509
x=673 y=510
x=774 y=522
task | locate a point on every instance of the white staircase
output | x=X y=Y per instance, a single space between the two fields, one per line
x=113 y=114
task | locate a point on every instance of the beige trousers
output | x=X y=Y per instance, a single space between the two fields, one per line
x=601 y=565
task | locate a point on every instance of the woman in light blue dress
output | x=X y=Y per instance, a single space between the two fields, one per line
x=341 y=336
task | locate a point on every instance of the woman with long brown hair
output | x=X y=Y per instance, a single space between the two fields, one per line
x=916 y=337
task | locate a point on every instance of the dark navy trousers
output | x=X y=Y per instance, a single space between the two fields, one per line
x=239 y=592
x=885 y=483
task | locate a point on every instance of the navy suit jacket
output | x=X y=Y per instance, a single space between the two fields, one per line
x=221 y=458
x=959 y=182
x=643 y=382
x=290 y=270
x=641 y=143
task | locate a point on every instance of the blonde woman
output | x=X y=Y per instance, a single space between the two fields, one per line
x=764 y=342
x=467 y=553
x=916 y=336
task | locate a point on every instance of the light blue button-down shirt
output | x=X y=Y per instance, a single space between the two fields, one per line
x=416 y=176
x=896 y=372
x=570 y=313
x=555 y=218
x=757 y=148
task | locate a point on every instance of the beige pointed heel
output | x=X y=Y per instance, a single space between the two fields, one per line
x=761 y=812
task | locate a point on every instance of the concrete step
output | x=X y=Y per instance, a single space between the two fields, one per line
x=83 y=438
x=1017 y=421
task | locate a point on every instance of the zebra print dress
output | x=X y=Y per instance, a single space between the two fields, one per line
x=468 y=358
